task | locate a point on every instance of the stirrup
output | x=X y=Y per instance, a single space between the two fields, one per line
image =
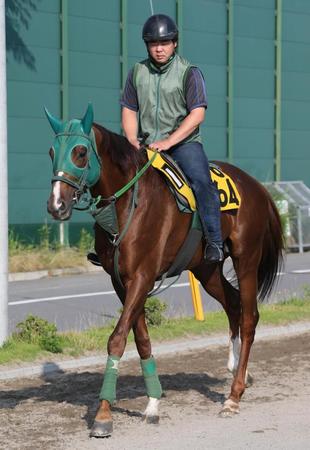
x=213 y=253
x=93 y=258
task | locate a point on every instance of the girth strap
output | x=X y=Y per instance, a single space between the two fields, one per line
x=184 y=255
x=183 y=258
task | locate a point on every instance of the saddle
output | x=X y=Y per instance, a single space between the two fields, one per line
x=180 y=187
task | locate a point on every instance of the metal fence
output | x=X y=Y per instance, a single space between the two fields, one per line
x=293 y=201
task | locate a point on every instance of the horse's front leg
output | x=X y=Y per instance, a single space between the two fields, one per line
x=136 y=293
x=149 y=370
x=249 y=319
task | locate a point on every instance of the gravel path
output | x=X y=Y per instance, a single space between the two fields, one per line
x=56 y=411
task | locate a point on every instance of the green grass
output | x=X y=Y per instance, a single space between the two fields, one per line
x=15 y=351
x=95 y=339
x=283 y=313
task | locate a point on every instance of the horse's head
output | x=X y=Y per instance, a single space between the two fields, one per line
x=76 y=165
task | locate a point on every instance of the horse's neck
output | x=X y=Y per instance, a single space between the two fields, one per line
x=112 y=176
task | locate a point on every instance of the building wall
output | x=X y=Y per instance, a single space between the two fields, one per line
x=240 y=121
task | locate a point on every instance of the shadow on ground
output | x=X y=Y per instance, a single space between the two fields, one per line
x=82 y=389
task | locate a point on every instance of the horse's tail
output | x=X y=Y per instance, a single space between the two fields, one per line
x=272 y=255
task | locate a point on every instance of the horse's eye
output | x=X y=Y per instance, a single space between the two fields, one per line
x=78 y=156
x=52 y=153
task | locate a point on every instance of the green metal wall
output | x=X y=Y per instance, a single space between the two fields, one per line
x=255 y=55
x=33 y=79
x=296 y=91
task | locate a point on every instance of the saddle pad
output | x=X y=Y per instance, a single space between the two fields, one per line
x=229 y=195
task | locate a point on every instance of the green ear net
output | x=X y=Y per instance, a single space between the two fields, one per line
x=55 y=123
x=87 y=121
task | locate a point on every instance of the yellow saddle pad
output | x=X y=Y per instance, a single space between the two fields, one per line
x=229 y=195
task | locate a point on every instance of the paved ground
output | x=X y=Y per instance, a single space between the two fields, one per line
x=55 y=412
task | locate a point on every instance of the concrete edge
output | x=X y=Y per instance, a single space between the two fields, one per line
x=47 y=368
x=26 y=276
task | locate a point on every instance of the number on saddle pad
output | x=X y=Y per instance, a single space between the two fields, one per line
x=229 y=195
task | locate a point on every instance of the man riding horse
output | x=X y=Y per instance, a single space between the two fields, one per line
x=169 y=95
x=137 y=244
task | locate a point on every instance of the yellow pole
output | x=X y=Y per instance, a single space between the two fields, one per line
x=196 y=297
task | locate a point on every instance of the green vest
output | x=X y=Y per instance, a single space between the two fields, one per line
x=162 y=103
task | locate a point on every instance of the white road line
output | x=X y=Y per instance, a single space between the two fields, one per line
x=301 y=271
x=96 y=294
x=75 y=296
x=62 y=297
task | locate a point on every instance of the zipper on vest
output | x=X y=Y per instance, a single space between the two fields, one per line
x=157 y=108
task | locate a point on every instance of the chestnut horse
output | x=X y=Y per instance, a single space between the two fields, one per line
x=87 y=156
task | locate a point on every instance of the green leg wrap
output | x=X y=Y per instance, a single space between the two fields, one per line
x=108 y=390
x=152 y=383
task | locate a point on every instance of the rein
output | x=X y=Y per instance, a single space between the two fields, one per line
x=87 y=202
x=106 y=216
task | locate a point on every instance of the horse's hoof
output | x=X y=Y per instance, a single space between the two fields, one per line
x=151 y=419
x=230 y=409
x=101 y=429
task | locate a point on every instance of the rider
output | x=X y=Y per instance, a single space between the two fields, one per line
x=169 y=95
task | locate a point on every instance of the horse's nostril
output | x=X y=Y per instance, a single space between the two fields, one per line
x=62 y=207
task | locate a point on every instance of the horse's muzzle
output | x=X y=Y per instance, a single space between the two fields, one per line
x=60 y=210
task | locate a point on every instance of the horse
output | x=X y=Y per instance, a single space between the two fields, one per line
x=88 y=157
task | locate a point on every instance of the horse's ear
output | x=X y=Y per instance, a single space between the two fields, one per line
x=87 y=121
x=55 y=123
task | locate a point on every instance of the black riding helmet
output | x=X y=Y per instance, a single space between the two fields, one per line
x=159 y=28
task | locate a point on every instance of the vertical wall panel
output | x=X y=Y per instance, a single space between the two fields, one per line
x=94 y=60
x=205 y=45
x=33 y=74
x=253 y=72
x=295 y=90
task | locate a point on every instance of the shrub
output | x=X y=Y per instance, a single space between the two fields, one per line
x=44 y=235
x=16 y=245
x=154 y=309
x=306 y=289
x=36 y=330
x=86 y=241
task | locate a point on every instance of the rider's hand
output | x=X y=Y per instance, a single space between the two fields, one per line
x=161 y=146
x=135 y=143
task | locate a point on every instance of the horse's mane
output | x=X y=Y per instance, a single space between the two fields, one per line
x=121 y=152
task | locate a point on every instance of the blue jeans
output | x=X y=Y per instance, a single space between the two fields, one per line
x=194 y=163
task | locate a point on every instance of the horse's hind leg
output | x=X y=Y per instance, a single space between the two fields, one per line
x=215 y=284
x=228 y=296
x=246 y=269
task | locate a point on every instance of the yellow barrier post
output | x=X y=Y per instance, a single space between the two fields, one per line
x=196 y=297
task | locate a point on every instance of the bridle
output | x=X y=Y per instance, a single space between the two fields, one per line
x=66 y=171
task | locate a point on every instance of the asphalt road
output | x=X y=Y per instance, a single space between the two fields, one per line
x=80 y=301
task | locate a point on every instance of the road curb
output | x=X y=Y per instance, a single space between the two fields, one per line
x=180 y=346
x=89 y=268
x=27 y=276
